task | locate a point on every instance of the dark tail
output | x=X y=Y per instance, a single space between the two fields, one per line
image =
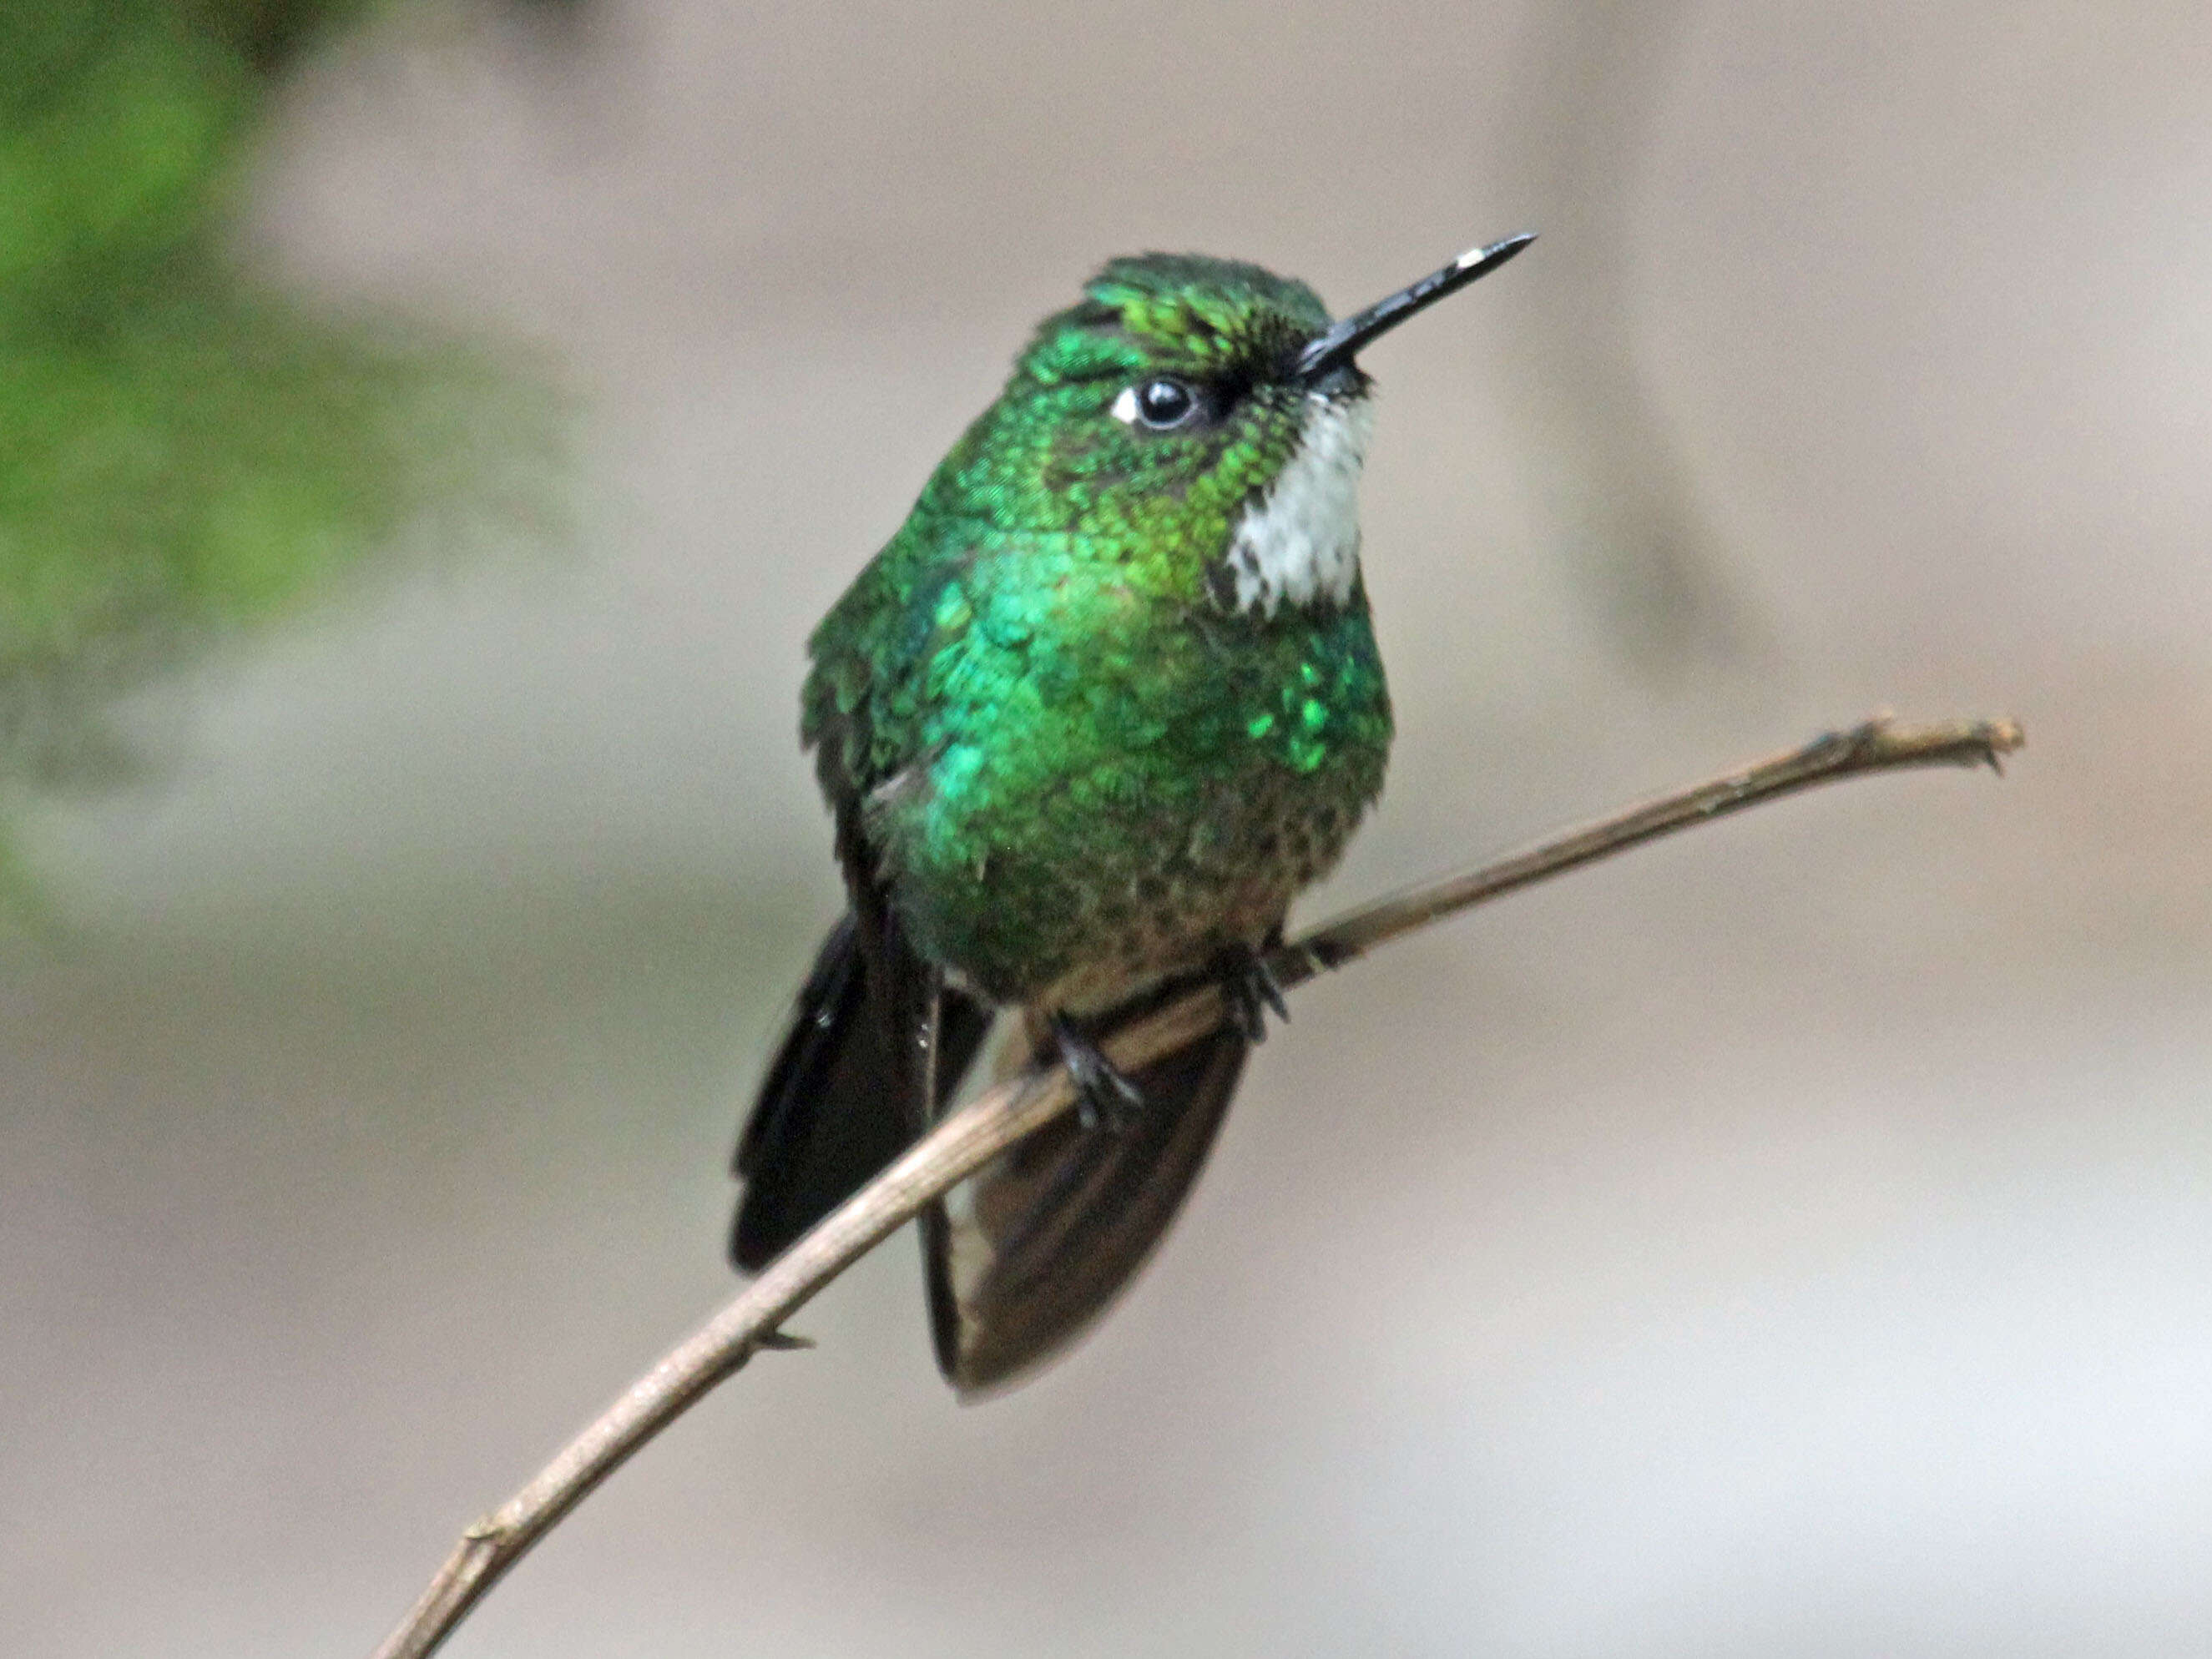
x=1050 y=1233
x=836 y=1106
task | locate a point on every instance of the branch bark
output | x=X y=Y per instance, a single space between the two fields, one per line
x=971 y=1137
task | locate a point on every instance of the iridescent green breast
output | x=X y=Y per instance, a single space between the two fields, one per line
x=1080 y=783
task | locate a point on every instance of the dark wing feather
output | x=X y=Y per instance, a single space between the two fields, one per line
x=851 y=1085
x=1050 y=1233
x=824 y=1119
x=838 y=1101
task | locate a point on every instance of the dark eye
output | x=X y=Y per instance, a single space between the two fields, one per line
x=1164 y=402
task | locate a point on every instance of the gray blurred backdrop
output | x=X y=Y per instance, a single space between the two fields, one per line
x=1795 y=1240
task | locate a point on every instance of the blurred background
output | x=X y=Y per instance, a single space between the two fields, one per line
x=1792 y=1240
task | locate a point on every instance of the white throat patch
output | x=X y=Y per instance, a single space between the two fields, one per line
x=1300 y=543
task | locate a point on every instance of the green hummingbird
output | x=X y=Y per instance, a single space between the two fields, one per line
x=1086 y=725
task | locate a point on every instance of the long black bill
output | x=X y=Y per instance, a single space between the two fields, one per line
x=1336 y=348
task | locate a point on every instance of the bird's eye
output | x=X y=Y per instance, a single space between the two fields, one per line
x=1160 y=404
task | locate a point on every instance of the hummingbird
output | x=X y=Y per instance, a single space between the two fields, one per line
x=1086 y=725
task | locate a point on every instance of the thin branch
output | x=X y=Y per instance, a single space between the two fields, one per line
x=979 y=1131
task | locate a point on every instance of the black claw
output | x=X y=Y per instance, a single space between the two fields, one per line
x=1103 y=1096
x=1252 y=990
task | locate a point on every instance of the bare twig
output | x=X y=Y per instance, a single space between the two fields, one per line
x=971 y=1137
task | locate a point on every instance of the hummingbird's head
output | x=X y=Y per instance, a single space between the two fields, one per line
x=1204 y=418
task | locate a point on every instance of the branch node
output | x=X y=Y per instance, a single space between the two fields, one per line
x=1826 y=743
x=1326 y=955
x=1999 y=738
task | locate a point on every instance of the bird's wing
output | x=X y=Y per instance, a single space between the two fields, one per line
x=854 y=1082
x=839 y=1100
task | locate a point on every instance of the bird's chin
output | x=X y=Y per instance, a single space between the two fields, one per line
x=1299 y=544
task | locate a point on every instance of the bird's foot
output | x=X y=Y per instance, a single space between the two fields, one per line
x=1252 y=991
x=1104 y=1099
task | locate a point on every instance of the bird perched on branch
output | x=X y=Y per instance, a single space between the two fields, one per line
x=1088 y=723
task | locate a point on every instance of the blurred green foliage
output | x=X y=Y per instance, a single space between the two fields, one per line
x=183 y=451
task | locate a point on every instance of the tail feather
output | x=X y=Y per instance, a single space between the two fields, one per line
x=834 y=1108
x=1038 y=1243
x=1047 y=1236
